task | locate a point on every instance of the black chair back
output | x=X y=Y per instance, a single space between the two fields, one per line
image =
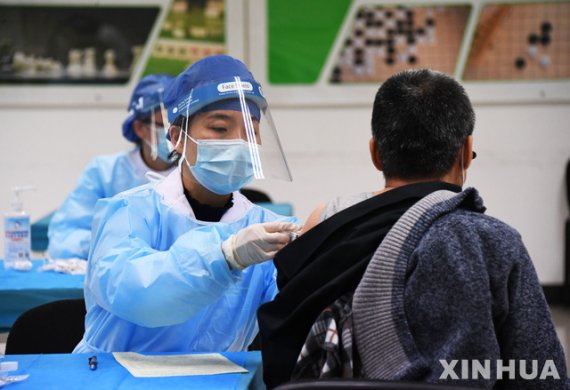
x=55 y=327
x=365 y=384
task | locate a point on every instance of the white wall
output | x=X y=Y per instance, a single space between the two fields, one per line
x=48 y=148
x=522 y=152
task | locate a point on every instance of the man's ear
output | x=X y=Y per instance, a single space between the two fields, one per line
x=375 y=154
x=141 y=130
x=467 y=152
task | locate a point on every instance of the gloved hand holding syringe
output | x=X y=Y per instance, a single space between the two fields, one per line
x=258 y=242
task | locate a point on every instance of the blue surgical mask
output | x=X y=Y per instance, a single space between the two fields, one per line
x=162 y=149
x=159 y=149
x=222 y=166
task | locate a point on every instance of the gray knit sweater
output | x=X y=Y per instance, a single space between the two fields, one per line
x=453 y=285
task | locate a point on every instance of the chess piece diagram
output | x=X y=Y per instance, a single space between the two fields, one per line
x=110 y=69
x=81 y=64
x=74 y=68
x=31 y=66
x=89 y=66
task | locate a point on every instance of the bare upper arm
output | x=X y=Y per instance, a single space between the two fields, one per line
x=314 y=218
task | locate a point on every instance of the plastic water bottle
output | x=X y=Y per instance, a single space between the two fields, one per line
x=17 y=234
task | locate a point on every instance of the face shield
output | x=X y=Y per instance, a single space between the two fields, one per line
x=160 y=146
x=230 y=138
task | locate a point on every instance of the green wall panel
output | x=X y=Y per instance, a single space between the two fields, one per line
x=301 y=34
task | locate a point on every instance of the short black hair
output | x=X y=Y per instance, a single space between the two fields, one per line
x=420 y=120
x=184 y=123
x=180 y=121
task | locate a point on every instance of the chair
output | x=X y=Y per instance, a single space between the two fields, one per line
x=262 y=199
x=348 y=384
x=55 y=327
x=255 y=196
x=39 y=231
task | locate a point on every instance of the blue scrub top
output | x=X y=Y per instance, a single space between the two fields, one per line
x=157 y=279
x=69 y=230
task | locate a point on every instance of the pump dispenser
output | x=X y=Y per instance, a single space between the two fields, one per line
x=17 y=235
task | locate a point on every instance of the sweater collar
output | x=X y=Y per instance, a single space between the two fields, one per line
x=172 y=194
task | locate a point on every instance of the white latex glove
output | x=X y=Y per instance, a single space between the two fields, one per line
x=257 y=243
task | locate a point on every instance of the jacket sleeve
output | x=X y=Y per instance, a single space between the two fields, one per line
x=69 y=230
x=473 y=295
x=150 y=287
x=526 y=331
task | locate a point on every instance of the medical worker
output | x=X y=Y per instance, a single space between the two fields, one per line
x=182 y=264
x=69 y=230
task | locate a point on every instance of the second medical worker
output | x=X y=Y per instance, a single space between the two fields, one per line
x=181 y=264
x=69 y=230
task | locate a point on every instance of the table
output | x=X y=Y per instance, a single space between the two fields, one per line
x=21 y=291
x=71 y=371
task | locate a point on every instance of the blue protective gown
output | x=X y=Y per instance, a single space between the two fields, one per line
x=69 y=230
x=157 y=279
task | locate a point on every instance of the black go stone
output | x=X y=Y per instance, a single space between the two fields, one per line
x=533 y=39
x=545 y=40
x=420 y=31
x=520 y=63
x=358 y=33
x=389 y=60
x=378 y=23
x=389 y=14
x=412 y=59
x=348 y=42
x=369 y=42
x=546 y=27
x=430 y=22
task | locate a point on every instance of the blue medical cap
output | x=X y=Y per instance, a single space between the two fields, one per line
x=146 y=97
x=212 y=80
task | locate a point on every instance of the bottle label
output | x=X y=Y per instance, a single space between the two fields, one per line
x=17 y=238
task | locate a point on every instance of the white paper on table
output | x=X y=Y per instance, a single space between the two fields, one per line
x=144 y=366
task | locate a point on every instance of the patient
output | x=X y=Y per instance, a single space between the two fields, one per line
x=412 y=282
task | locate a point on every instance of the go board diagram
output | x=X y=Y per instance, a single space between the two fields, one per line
x=521 y=42
x=385 y=39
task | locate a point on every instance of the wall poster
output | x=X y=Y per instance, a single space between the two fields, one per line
x=339 y=51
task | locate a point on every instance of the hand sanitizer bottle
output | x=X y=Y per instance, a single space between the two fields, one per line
x=17 y=235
